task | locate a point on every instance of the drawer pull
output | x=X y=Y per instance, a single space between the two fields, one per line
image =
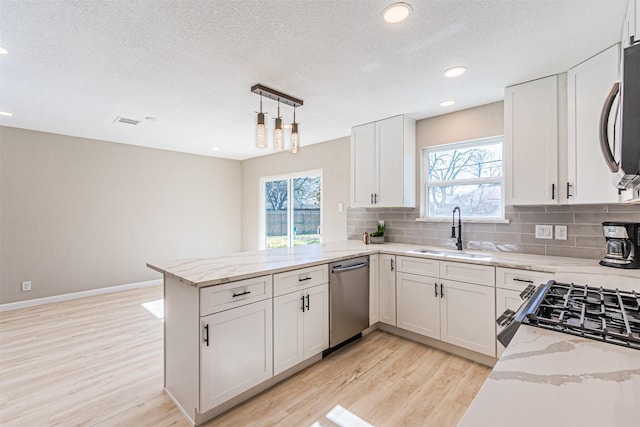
x=241 y=294
x=302 y=280
x=515 y=279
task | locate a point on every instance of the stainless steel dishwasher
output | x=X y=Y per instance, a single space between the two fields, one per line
x=348 y=299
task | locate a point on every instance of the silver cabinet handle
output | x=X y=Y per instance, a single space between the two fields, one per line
x=604 y=129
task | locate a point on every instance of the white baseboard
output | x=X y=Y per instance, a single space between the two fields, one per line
x=76 y=295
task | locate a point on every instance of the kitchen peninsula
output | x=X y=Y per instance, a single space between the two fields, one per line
x=206 y=298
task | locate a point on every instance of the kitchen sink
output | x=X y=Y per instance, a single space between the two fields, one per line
x=452 y=254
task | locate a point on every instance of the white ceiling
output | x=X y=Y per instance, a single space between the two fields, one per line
x=73 y=66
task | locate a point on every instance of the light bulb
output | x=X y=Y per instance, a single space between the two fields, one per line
x=295 y=138
x=261 y=132
x=278 y=136
x=397 y=12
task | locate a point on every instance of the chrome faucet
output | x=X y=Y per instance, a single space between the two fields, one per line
x=453 y=228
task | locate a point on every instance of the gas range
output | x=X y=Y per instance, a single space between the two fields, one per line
x=608 y=315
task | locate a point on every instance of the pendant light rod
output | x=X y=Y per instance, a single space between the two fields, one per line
x=276 y=95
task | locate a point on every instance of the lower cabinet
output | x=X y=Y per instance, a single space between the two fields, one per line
x=235 y=352
x=467 y=316
x=459 y=313
x=387 y=284
x=300 y=326
x=418 y=304
x=374 y=289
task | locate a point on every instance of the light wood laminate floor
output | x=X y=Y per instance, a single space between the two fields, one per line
x=97 y=361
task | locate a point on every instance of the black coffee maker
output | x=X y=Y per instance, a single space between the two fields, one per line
x=623 y=244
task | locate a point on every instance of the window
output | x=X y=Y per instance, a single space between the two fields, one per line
x=467 y=174
x=291 y=206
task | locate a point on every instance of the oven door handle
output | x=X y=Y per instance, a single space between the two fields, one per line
x=604 y=129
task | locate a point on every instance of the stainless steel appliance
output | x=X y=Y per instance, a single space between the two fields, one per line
x=348 y=299
x=623 y=244
x=623 y=155
x=608 y=315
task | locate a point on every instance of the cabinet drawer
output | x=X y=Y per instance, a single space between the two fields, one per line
x=468 y=273
x=421 y=266
x=223 y=297
x=294 y=280
x=517 y=280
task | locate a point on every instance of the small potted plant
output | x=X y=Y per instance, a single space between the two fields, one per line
x=378 y=235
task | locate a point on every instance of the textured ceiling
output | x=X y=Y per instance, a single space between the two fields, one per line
x=73 y=66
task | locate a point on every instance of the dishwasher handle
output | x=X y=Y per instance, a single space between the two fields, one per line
x=349 y=268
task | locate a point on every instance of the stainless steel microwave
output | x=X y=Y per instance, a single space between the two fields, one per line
x=622 y=152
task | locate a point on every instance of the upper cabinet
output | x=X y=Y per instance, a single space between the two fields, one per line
x=589 y=180
x=383 y=163
x=531 y=142
x=552 y=136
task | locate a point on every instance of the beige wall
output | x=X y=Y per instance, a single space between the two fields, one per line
x=81 y=214
x=331 y=156
x=478 y=122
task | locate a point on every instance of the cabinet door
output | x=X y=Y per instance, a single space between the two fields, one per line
x=316 y=320
x=505 y=299
x=235 y=352
x=589 y=178
x=374 y=289
x=531 y=142
x=467 y=316
x=388 y=183
x=288 y=331
x=387 y=278
x=362 y=165
x=418 y=304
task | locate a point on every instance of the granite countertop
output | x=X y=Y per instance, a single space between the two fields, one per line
x=551 y=378
x=203 y=272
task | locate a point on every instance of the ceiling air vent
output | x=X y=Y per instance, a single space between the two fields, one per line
x=126 y=121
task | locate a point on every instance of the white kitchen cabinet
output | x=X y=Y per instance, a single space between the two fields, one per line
x=387 y=283
x=531 y=142
x=383 y=163
x=467 y=316
x=235 y=352
x=300 y=326
x=589 y=180
x=431 y=303
x=374 y=289
x=418 y=304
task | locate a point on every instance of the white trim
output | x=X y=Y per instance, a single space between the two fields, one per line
x=75 y=295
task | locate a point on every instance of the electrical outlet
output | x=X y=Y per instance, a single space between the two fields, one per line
x=26 y=285
x=544 y=231
x=561 y=232
x=340 y=207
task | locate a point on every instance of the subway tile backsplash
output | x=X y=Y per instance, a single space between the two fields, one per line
x=584 y=228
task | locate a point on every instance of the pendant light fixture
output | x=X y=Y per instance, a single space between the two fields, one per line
x=278 y=136
x=261 y=129
x=295 y=138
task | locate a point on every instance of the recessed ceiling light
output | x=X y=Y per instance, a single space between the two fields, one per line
x=3 y=51
x=215 y=148
x=397 y=12
x=6 y=114
x=455 y=71
x=447 y=103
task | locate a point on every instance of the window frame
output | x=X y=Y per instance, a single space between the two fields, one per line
x=262 y=242
x=425 y=184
